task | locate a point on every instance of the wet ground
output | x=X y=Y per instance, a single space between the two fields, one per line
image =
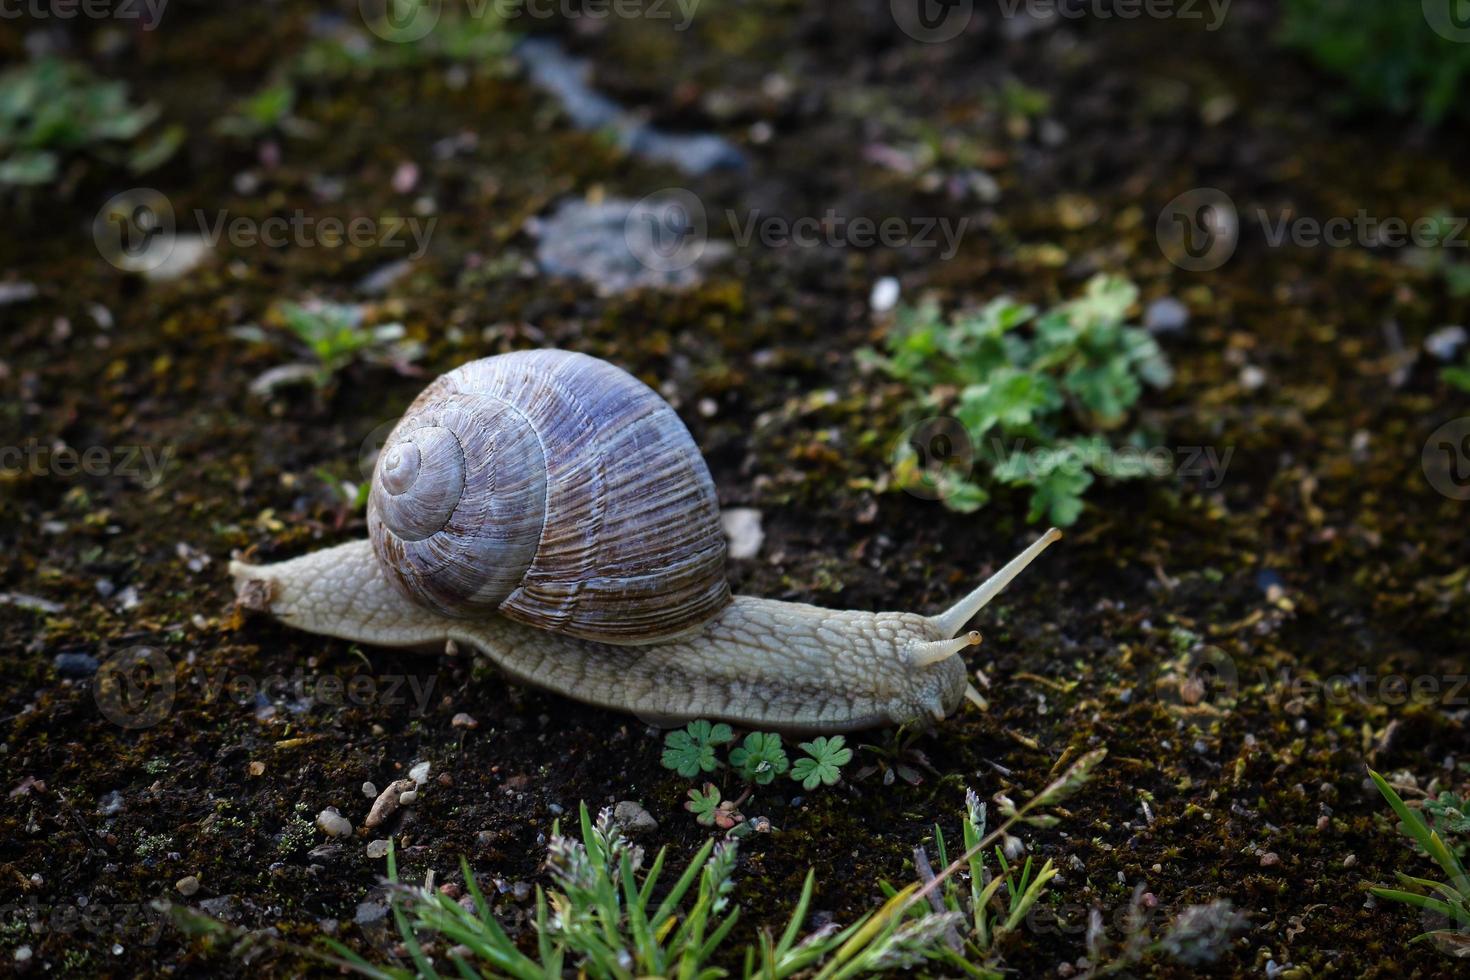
x=1323 y=549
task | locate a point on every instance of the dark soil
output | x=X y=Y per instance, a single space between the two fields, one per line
x=1325 y=550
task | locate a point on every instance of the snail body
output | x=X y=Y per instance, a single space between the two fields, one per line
x=618 y=598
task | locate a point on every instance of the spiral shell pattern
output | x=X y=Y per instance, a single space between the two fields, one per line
x=556 y=489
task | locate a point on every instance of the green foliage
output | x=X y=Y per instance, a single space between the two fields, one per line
x=1036 y=392
x=760 y=758
x=1450 y=814
x=691 y=750
x=53 y=110
x=599 y=919
x=823 y=762
x=478 y=39
x=1387 y=54
x=707 y=808
x=267 y=110
x=335 y=336
x=1449 y=901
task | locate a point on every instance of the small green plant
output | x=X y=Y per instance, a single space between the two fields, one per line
x=989 y=906
x=691 y=750
x=265 y=111
x=52 y=111
x=335 y=336
x=1448 y=901
x=760 y=758
x=1040 y=395
x=600 y=918
x=823 y=762
x=708 y=809
x=1388 y=54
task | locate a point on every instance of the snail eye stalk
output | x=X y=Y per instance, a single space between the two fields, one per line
x=953 y=619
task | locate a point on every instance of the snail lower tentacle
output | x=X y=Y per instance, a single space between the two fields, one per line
x=760 y=663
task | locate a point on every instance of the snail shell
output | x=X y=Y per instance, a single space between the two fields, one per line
x=556 y=489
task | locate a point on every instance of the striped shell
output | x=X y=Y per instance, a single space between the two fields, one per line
x=554 y=488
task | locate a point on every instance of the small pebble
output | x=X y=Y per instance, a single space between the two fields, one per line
x=743 y=529
x=1270 y=859
x=369 y=790
x=463 y=720
x=187 y=886
x=377 y=849
x=75 y=665
x=1252 y=378
x=1166 y=315
x=419 y=772
x=1445 y=342
x=387 y=802
x=884 y=295
x=257 y=768
x=333 y=824
x=1350 y=860
x=633 y=818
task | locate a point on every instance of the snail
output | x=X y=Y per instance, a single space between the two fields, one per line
x=551 y=510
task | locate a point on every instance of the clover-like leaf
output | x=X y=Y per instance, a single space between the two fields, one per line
x=760 y=758
x=823 y=762
x=691 y=749
x=704 y=804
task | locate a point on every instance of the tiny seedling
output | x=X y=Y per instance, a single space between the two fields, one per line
x=760 y=758
x=823 y=762
x=710 y=811
x=335 y=336
x=691 y=750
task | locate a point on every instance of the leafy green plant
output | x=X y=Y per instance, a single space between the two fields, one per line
x=1039 y=394
x=760 y=758
x=823 y=762
x=335 y=336
x=1386 y=53
x=53 y=110
x=708 y=809
x=691 y=750
x=1450 y=901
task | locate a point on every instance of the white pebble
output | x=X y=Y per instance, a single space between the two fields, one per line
x=187 y=886
x=884 y=295
x=333 y=824
x=408 y=796
x=743 y=529
x=377 y=849
x=369 y=790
